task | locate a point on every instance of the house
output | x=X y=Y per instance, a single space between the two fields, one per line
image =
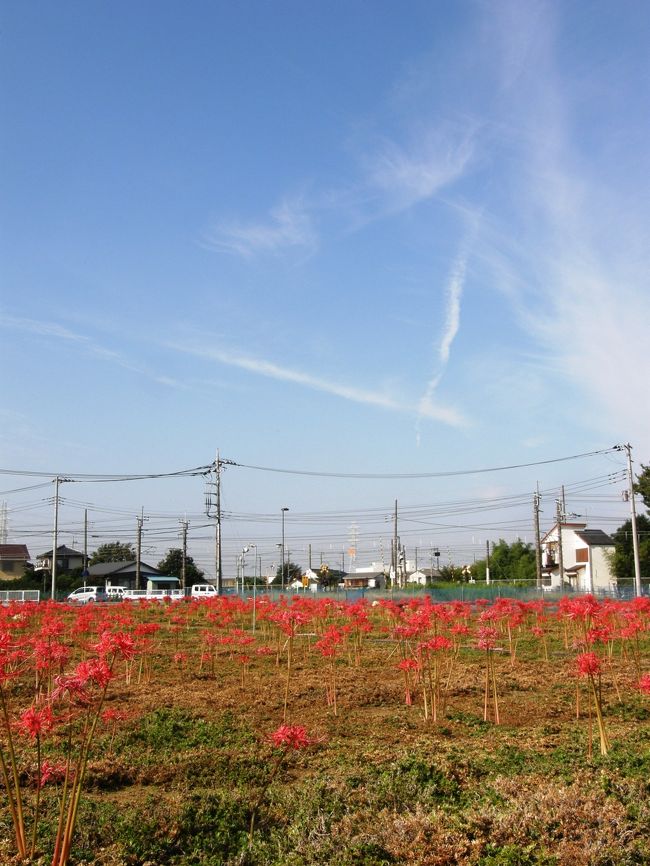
x=124 y=574
x=66 y=560
x=14 y=561
x=423 y=576
x=365 y=580
x=309 y=581
x=585 y=558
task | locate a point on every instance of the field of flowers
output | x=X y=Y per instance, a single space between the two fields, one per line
x=312 y=731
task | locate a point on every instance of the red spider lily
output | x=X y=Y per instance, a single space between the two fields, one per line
x=407 y=666
x=116 y=643
x=34 y=722
x=486 y=641
x=486 y=638
x=589 y=665
x=644 y=684
x=112 y=715
x=291 y=737
x=51 y=772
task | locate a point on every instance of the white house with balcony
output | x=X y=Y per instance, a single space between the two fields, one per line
x=585 y=559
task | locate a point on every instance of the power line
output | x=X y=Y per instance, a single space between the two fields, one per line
x=449 y=474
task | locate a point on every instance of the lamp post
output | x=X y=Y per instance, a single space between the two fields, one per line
x=243 y=567
x=282 y=511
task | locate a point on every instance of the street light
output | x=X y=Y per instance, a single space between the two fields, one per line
x=282 y=511
x=243 y=567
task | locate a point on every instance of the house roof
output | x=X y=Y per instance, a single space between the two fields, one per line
x=595 y=538
x=565 y=525
x=61 y=550
x=104 y=569
x=14 y=551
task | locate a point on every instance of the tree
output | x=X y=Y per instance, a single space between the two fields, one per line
x=291 y=572
x=642 y=485
x=514 y=561
x=622 y=560
x=172 y=565
x=115 y=551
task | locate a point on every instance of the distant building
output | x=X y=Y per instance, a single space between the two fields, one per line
x=124 y=574
x=14 y=561
x=66 y=560
x=585 y=557
x=423 y=576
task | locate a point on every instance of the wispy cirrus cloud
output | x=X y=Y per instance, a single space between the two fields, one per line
x=406 y=175
x=453 y=293
x=578 y=274
x=289 y=225
x=269 y=369
x=55 y=331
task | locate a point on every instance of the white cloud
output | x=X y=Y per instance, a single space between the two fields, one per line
x=382 y=400
x=454 y=291
x=406 y=176
x=52 y=330
x=289 y=225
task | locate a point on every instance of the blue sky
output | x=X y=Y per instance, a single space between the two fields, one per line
x=345 y=237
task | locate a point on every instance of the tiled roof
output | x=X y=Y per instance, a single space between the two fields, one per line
x=14 y=551
x=595 y=538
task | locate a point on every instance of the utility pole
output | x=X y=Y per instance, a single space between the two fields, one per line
x=283 y=511
x=85 y=571
x=55 y=534
x=416 y=559
x=487 y=562
x=538 y=543
x=184 y=525
x=138 y=555
x=217 y=538
x=560 y=556
x=310 y=557
x=635 y=535
x=395 y=549
x=213 y=509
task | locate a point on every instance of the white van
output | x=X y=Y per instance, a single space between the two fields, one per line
x=84 y=594
x=203 y=590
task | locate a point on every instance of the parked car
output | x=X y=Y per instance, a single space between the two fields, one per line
x=115 y=592
x=85 y=594
x=203 y=590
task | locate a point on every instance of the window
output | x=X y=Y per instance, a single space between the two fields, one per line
x=582 y=554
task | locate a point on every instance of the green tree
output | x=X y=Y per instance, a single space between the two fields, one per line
x=451 y=573
x=291 y=572
x=172 y=565
x=514 y=561
x=642 y=485
x=114 y=551
x=622 y=560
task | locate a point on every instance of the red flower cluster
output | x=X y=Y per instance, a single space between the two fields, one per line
x=35 y=722
x=291 y=737
x=588 y=665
